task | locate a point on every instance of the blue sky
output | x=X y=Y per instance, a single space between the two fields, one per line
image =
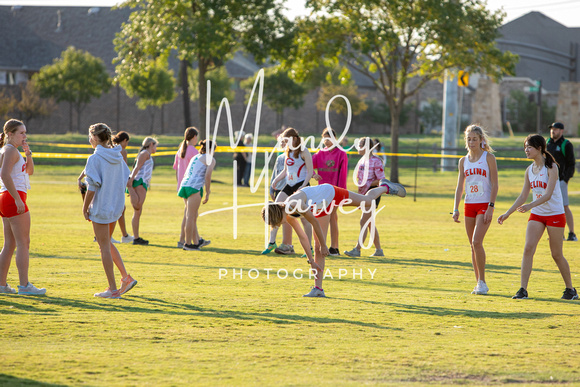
x=563 y=11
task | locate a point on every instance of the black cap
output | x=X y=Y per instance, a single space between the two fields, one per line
x=557 y=125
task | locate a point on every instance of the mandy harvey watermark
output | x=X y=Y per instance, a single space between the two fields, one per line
x=270 y=273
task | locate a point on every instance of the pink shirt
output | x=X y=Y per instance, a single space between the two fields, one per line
x=180 y=164
x=376 y=172
x=332 y=166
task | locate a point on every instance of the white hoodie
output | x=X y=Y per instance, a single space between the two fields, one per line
x=107 y=174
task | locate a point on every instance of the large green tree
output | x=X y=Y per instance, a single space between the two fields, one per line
x=76 y=77
x=400 y=45
x=280 y=91
x=206 y=32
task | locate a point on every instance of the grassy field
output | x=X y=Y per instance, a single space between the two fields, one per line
x=413 y=322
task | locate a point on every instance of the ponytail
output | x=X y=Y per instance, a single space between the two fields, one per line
x=189 y=134
x=205 y=146
x=550 y=160
x=539 y=142
x=2 y=136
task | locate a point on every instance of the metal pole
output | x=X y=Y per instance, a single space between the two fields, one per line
x=449 y=138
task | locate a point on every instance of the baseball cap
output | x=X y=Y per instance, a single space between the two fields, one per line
x=557 y=125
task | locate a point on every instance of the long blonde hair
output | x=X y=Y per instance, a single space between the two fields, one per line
x=9 y=127
x=146 y=142
x=485 y=143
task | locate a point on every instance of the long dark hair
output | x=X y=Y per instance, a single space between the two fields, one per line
x=190 y=133
x=294 y=142
x=206 y=146
x=120 y=137
x=539 y=142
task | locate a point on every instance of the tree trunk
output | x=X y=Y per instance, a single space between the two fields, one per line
x=202 y=70
x=395 y=115
x=184 y=66
x=70 y=119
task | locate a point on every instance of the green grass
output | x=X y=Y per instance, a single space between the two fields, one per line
x=413 y=323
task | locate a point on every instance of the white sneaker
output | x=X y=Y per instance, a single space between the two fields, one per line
x=481 y=288
x=180 y=244
x=315 y=292
x=113 y=240
x=394 y=188
x=109 y=294
x=378 y=253
x=352 y=253
x=7 y=289
x=31 y=290
x=127 y=239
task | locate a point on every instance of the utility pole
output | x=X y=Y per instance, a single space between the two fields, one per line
x=449 y=136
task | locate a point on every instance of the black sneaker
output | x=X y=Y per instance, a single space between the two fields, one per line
x=334 y=252
x=570 y=294
x=572 y=237
x=521 y=294
x=140 y=241
x=191 y=247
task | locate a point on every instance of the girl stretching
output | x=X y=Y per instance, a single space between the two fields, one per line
x=315 y=205
x=14 y=175
x=139 y=183
x=547 y=212
x=197 y=175
x=478 y=172
x=122 y=139
x=106 y=175
x=182 y=158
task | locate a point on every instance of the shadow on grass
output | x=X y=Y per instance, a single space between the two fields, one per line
x=139 y=304
x=442 y=311
x=9 y=380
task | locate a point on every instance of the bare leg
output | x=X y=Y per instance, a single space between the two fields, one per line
x=556 y=235
x=286 y=229
x=182 y=233
x=193 y=203
x=138 y=195
x=534 y=232
x=318 y=257
x=7 y=251
x=334 y=228
x=365 y=229
x=122 y=225
x=20 y=226
x=105 y=245
x=115 y=253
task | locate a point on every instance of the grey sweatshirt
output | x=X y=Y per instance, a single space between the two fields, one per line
x=107 y=174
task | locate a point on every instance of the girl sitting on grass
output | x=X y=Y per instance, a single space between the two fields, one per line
x=106 y=176
x=197 y=175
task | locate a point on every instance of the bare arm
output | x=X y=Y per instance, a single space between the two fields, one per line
x=141 y=158
x=309 y=216
x=11 y=156
x=458 y=191
x=29 y=161
x=493 y=181
x=87 y=203
x=520 y=199
x=307 y=157
x=552 y=181
x=304 y=242
x=208 y=181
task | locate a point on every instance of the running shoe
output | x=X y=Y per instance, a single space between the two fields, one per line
x=572 y=237
x=394 y=188
x=203 y=242
x=378 y=253
x=476 y=288
x=521 y=294
x=31 y=290
x=271 y=246
x=140 y=241
x=191 y=247
x=127 y=239
x=353 y=253
x=113 y=240
x=481 y=288
x=334 y=252
x=180 y=245
x=109 y=294
x=7 y=289
x=127 y=284
x=284 y=249
x=570 y=294
x=315 y=292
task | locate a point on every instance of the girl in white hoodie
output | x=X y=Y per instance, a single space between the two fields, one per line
x=107 y=175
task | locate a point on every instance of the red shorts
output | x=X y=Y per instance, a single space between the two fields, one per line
x=471 y=210
x=8 y=207
x=340 y=194
x=550 y=220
